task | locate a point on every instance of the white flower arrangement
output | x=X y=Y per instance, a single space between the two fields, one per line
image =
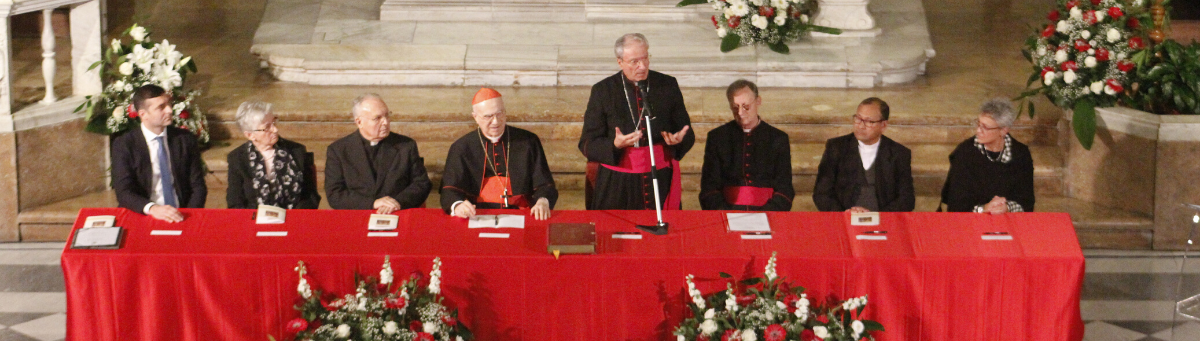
x=769 y=22
x=125 y=68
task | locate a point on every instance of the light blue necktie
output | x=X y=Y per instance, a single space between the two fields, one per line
x=164 y=171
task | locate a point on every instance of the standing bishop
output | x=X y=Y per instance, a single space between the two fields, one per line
x=615 y=141
x=497 y=166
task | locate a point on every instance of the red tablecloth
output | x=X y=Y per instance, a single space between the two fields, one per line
x=933 y=279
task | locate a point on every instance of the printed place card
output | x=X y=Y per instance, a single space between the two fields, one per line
x=165 y=232
x=864 y=219
x=271 y=234
x=627 y=236
x=383 y=234
x=268 y=214
x=996 y=237
x=493 y=235
x=870 y=237
x=383 y=222
x=100 y=221
x=755 y=236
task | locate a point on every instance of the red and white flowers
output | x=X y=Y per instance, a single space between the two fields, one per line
x=771 y=309
x=771 y=22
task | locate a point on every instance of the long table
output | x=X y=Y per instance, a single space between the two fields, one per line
x=934 y=278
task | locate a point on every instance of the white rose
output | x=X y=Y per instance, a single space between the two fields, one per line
x=759 y=21
x=729 y=12
x=1100 y=16
x=1121 y=56
x=708 y=315
x=342 y=331
x=390 y=328
x=1060 y=56
x=1089 y=61
x=821 y=332
x=780 y=19
x=138 y=33
x=126 y=68
x=781 y=305
x=116 y=45
x=1113 y=35
x=857 y=327
x=680 y=338
x=1049 y=79
x=1091 y=52
x=119 y=85
x=1109 y=90
x=748 y=335
x=1041 y=50
x=708 y=327
x=1097 y=87
x=1069 y=76
x=1076 y=13
x=779 y=4
x=802 y=302
x=120 y=111
x=804 y=18
x=1085 y=34
x=458 y=338
x=721 y=32
x=1063 y=27
x=430 y=327
x=757 y=2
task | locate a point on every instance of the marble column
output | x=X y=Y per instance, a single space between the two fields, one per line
x=86 y=32
x=9 y=231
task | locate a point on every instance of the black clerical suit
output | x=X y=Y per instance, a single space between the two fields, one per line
x=609 y=108
x=974 y=178
x=473 y=158
x=357 y=174
x=841 y=177
x=132 y=171
x=241 y=193
x=761 y=158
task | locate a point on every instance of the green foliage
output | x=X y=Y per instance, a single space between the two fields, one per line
x=1171 y=85
x=1084 y=122
x=730 y=42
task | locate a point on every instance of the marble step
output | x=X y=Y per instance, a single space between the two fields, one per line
x=1098 y=227
x=539 y=11
x=930 y=164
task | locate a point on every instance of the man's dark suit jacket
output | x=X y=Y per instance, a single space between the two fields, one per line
x=840 y=176
x=241 y=192
x=350 y=183
x=132 y=170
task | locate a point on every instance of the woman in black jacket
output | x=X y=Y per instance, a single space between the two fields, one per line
x=267 y=169
x=991 y=172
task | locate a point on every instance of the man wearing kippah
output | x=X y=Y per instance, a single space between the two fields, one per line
x=497 y=166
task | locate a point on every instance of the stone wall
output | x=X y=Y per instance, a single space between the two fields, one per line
x=58 y=162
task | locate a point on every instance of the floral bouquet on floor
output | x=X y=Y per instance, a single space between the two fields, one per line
x=380 y=309
x=770 y=22
x=1086 y=56
x=126 y=67
x=771 y=309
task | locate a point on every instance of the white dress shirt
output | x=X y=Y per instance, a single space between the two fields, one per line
x=156 y=196
x=868 y=152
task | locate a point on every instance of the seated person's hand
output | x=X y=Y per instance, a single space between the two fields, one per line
x=386 y=205
x=541 y=210
x=998 y=205
x=857 y=209
x=465 y=209
x=166 y=213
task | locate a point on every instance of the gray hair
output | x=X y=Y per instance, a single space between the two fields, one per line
x=358 y=102
x=250 y=114
x=619 y=48
x=1001 y=110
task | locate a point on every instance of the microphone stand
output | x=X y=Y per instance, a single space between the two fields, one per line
x=660 y=228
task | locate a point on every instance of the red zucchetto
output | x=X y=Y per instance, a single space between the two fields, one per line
x=484 y=94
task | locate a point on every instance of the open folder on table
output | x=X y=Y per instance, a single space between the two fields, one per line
x=748 y=222
x=496 y=221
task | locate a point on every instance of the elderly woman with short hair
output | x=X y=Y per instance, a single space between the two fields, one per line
x=267 y=169
x=991 y=172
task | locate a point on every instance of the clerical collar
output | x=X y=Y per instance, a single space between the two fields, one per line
x=493 y=139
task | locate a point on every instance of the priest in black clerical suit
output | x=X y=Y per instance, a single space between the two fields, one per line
x=497 y=166
x=747 y=162
x=865 y=171
x=374 y=168
x=614 y=139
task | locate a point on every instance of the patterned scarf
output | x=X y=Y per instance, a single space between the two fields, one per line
x=284 y=189
x=1005 y=155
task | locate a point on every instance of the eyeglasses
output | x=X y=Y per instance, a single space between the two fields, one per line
x=638 y=62
x=866 y=122
x=979 y=126
x=489 y=117
x=739 y=108
x=268 y=127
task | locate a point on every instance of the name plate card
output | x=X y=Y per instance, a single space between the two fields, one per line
x=996 y=236
x=864 y=219
x=493 y=235
x=383 y=222
x=271 y=234
x=756 y=236
x=872 y=235
x=268 y=214
x=626 y=235
x=165 y=232
x=383 y=234
x=100 y=221
x=496 y=221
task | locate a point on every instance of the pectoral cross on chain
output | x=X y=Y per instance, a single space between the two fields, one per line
x=505 y=196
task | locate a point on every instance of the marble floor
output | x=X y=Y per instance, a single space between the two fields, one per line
x=1127 y=295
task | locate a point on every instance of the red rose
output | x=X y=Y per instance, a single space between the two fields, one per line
x=334 y=305
x=1047 y=69
x=1125 y=66
x=715 y=24
x=1053 y=16
x=1133 y=23
x=296 y=325
x=423 y=337
x=131 y=111
x=415 y=326
x=734 y=22
x=1069 y=65
x=766 y=11
x=790 y=299
x=1082 y=45
x=1115 y=12
x=1089 y=16
x=745 y=300
x=184 y=114
x=449 y=321
x=1049 y=31
x=1112 y=83
x=729 y=335
x=822 y=319
x=1101 y=55
x=1136 y=43
x=1096 y=2
x=774 y=332
x=702 y=337
x=396 y=302
x=809 y=335
x=1072 y=4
